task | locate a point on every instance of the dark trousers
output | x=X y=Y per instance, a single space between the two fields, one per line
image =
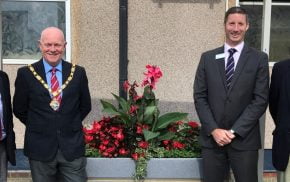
x=218 y=161
x=59 y=170
x=3 y=162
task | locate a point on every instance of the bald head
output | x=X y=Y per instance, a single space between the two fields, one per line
x=52 y=31
x=52 y=45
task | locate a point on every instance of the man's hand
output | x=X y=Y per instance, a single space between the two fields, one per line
x=222 y=137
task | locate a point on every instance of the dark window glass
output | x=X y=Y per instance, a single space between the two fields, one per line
x=254 y=33
x=280 y=33
x=22 y=23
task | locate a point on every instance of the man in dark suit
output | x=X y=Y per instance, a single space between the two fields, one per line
x=231 y=94
x=51 y=99
x=7 y=135
x=279 y=107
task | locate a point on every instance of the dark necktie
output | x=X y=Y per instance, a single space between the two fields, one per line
x=54 y=84
x=230 y=67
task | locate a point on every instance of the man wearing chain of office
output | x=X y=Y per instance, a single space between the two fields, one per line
x=51 y=99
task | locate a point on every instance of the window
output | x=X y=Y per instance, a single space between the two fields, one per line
x=279 y=15
x=22 y=23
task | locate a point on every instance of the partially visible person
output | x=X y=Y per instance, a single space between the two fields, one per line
x=51 y=99
x=231 y=94
x=7 y=135
x=279 y=106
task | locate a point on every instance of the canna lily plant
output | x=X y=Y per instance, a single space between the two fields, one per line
x=136 y=128
x=143 y=110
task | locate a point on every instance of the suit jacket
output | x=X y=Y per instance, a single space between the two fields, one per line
x=279 y=101
x=239 y=107
x=7 y=117
x=48 y=130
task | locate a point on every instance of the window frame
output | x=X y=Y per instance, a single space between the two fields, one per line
x=67 y=33
x=266 y=26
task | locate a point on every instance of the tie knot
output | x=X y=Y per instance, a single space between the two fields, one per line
x=53 y=70
x=232 y=51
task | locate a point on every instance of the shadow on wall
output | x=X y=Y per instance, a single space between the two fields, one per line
x=164 y=107
x=210 y=2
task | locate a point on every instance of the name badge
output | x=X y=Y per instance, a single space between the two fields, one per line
x=220 y=56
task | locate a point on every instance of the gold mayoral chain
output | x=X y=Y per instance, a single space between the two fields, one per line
x=54 y=104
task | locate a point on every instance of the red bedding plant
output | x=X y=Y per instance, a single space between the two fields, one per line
x=136 y=129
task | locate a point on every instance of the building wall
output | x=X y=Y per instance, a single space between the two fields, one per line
x=171 y=34
x=95 y=46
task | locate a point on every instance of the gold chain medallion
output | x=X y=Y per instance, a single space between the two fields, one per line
x=54 y=104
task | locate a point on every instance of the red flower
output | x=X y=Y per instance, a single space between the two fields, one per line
x=152 y=76
x=102 y=134
x=105 y=142
x=139 y=129
x=179 y=122
x=178 y=145
x=137 y=97
x=102 y=147
x=88 y=131
x=143 y=144
x=114 y=128
x=165 y=142
x=123 y=151
x=126 y=85
x=133 y=108
x=117 y=143
x=111 y=149
x=88 y=138
x=120 y=136
x=193 y=124
x=135 y=156
x=97 y=126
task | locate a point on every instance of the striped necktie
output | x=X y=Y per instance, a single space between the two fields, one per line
x=54 y=84
x=230 y=67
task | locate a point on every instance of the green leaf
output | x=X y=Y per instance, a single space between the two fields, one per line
x=150 y=135
x=166 y=136
x=148 y=114
x=148 y=93
x=124 y=117
x=166 y=119
x=109 y=108
x=123 y=103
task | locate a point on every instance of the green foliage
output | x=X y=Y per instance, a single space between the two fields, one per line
x=166 y=119
x=146 y=133
x=92 y=152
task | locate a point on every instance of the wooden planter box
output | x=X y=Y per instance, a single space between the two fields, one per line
x=158 y=168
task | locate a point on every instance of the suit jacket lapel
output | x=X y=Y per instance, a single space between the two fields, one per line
x=221 y=65
x=65 y=74
x=240 y=65
x=39 y=68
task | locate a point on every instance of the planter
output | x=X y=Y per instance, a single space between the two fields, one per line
x=158 y=168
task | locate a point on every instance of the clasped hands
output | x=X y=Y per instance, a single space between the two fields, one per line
x=222 y=137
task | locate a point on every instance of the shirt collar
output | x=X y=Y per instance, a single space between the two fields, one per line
x=48 y=67
x=238 y=47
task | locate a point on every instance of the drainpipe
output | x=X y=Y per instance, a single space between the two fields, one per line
x=123 y=46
